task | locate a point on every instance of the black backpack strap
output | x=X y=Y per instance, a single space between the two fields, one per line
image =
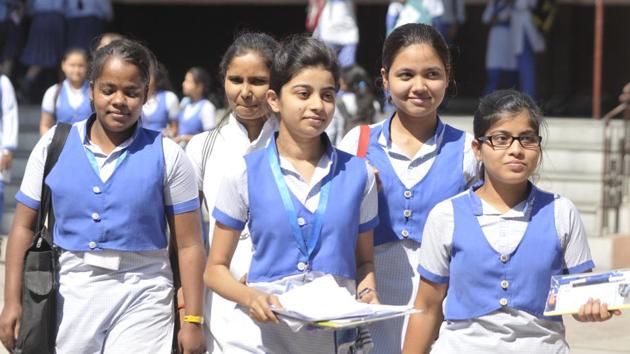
x=54 y=150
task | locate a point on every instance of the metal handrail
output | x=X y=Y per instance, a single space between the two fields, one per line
x=616 y=172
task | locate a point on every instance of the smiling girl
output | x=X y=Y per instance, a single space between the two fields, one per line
x=491 y=250
x=310 y=209
x=114 y=188
x=420 y=161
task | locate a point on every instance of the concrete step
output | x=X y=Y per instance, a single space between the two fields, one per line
x=571 y=159
x=27 y=140
x=582 y=188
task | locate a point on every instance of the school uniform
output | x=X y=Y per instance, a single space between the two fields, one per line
x=8 y=129
x=500 y=53
x=67 y=104
x=195 y=117
x=419 y=11
x=337 y=27
x=85 y=20
x=161 y=109
x=342 y=202
x=115 y=280
x=454 y=14
x=45 y=43
x=499 y=306
x=232 y=143
x=527 y=41
x=443 y=167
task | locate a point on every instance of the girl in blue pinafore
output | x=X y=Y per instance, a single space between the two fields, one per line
x=197 y=114
x=69 y=100
x=162 y=107
x=420 y=161
x=491 y=250
x=310 y=209
x=114 y=188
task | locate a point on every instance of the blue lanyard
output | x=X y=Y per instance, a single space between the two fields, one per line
x=307 y=246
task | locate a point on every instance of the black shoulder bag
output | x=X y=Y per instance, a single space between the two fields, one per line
x=38 y=324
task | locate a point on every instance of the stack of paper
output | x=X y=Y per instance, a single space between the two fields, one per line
x=324 y=303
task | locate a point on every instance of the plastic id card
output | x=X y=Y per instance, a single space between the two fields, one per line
x=568 y=292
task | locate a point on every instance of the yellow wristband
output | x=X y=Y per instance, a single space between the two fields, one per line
x=193 y=319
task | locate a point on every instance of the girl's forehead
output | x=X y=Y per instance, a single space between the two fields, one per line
x=313 y=75
x=418 y=54
x=119 y=68
x=518 y=121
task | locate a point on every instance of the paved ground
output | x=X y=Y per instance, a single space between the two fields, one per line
x=612 y=337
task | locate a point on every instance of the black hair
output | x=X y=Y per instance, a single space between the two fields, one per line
x=260 y=43
x=503 y=104
x=96 y=41
x=416 y=33
x=160 y=75
x=128 y=50
x=75 y=50
x=201 y=77
x=298 y=52
x=357 y=81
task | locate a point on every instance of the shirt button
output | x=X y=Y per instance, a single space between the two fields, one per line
x=405 y=233
x=504 y=258
x=92 y=245
x=407 y=213
x=301 y=221
x=96 y=217
x=503 y=301
x=408 y=194
x=302 y=266
x=505 y=284
x=96 y=189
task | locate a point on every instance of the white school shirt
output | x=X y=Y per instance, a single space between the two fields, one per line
x=10 y=125
x=524 y=332
x=500 y=52
x=75 y=96
x=207 y=112
x=9 y=106
x=232 y=143
x=172 y=105
x=523 y=27
x=411 y=171
x=337 y=23
x=179 y=176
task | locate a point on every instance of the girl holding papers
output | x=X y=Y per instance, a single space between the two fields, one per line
x=491 y=250
x=310 y=209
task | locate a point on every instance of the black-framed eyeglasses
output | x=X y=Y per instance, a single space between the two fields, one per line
x=504 y=141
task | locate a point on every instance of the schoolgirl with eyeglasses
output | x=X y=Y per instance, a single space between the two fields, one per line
x=491 y=250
